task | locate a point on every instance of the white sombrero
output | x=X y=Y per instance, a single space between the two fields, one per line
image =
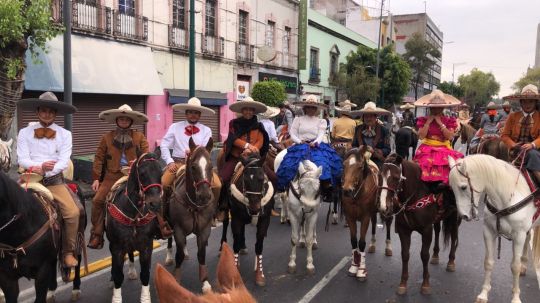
x=371 y=108
x=123 y=111
x=345 y=107
x=407 y=106
x=270 y=113
x=311 y=100
x=529 y=92
x=249 y=103
x=194 y=104
x=437 y=99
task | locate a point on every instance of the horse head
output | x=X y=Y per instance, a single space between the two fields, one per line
x=145 y=179
x=228 y=277
x=308 y=180
x=5 y=154
x=467 y=197
x=356 y=169
x=391 y=177
x=199 y=173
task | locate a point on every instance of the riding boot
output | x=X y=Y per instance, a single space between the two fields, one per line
x=536 y=175
x=327 y=191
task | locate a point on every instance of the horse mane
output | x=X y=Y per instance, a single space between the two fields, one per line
x=19 y=200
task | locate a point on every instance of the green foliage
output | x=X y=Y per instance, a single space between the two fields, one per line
x=421 y=55
x=452 y=89
x=531 y=77
x=271 y=93
x=478 y=87
x=396 y=75
x=358 y=85
x=23 y=25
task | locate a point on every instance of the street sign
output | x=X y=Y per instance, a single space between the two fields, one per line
x=302 y=34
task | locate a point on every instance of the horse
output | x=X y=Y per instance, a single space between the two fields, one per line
x=229 y=281
x=192 y=207
x=466 y=134
x=5 y=154
x=406 y=137
x=404 y=195
x=359 y=204
x=511 y=207
x=251 y=201
x=489 y=146
x=131 y=221
x=304 y=203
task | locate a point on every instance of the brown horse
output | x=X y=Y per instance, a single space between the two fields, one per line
x=489 y=146
x=405 y=196
x=360 y=204
x=192 y=207
x=229 y=281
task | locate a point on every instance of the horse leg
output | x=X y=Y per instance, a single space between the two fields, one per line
x=10 y=288
x=262 y=228
x=243 y=247
x=524 y=255
x=145 y=259
x=436 y=248
x=117 y=265
x=53 y=284
x=371 y=248
x=202 y=242
x=42 y=283
x=180 y=240
x=337 y=194
x=454 y=234
x=361 y=275
x=284 y=210
x=405 y=239
x=355 y=262
x=489 y=242
x=169 y=258
x=388 y=249
x=76 y=291
x=427 y=237
x=302 y=240
x=226 y=220
x=295 y=239
x=236 y=228
x=517 y=247
x=311 y=225
x=132 y=271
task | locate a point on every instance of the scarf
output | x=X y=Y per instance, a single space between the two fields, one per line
x=122 y=139
x=371 y=132
x=241 y=126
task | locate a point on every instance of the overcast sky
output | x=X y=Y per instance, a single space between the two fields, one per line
x=492 y=35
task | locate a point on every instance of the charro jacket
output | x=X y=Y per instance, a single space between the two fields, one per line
x=510 y=134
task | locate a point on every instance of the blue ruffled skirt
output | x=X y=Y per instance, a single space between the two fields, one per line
x=323 y=155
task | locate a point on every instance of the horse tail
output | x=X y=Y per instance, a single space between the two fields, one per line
x=536 y=246
x=450 y=226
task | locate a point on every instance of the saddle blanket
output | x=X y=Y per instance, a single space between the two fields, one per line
x=425 y=202
x=532 y=187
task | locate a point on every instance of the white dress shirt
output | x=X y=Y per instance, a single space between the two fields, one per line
x=177 y=140
x=33 y=152
x=305 y=128
x=270 y=128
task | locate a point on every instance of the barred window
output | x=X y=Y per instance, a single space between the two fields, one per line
x=270 y=33
x=210 y=18
x=287 y=40
x=127 y=7
x=243 y=20
x=179 y=13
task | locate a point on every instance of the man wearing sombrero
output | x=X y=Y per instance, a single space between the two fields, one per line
x=507 y=108
x=489 y=126
x=45 y=148
x=116 y=150
x=522 y=129
x=373 y=133
x=269 y=125
x=343 y=127
x=407 y=117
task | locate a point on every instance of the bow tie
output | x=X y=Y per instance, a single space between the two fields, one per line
x=44 y=132
x=191 y=130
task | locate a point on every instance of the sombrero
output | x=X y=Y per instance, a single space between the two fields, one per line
x=345 y=107
x=250 y=103
x=407 y=106
x=437 y=99
x=505 y=104
x=194 y=104
x=492 y=105
x=49 y=100
x=311 y=100
x=529 y=92
x=123 y=111
x=370 y=108
x=270 y=113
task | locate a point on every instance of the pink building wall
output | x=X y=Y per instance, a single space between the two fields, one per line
x=226 y=115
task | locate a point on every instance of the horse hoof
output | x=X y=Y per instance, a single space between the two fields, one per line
x=523 y=271
x=187 y=257
x=401 y=290
x=425 y=290
x=169 y=262
x=75 y=295
x=371 y=249
x=302 y=245
x=206 y=288
x=261 y=282
x=315 y=246
x=388 y=252
x=310 y=271
x=451 y=267
x=243 y=251
x=291 y=269
x=50 y=299
x=434 y=260
x=361 y=279
x=478 y=300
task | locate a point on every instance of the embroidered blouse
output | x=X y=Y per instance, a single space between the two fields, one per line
x=434 y=131
x=307 y=128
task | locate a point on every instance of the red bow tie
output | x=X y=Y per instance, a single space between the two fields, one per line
x=191 y=130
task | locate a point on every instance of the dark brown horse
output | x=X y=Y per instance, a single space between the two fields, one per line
x=359 y=203
x=489 y=146
x=400 y=196
x=192 y=207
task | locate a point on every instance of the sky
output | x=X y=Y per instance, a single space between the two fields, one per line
x=497 y=36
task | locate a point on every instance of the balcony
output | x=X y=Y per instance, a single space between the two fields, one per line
x=133 y=27
x=178 y=38
x=245 y=52
x=314 y=74
x=212 y=46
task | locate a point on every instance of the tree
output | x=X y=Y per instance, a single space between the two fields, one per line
x=478 y=87
x=531 y=77
x=396 y=75
x=452 y=89
x=24 y=25
x=271 y=93
x=359 y=86
x=421 y=55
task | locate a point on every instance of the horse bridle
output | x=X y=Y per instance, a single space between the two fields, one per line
x=361 y=185
x=474 y=207
x=397 y=190
x=248 y=166
x=142 y=188
x=197 y=184
x=300 y=191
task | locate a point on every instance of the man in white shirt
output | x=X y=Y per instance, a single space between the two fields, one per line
x=45 y=148
x=269 y=125
x=177 y=140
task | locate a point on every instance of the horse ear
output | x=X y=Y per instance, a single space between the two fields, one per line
x=319 y=171
x=451 y=162
x=210 y=145
x=192 y=144
x=227 y=274
x=170 y=291
x=301 y=168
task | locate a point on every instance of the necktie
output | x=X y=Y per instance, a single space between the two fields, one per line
x=44 y=132
x=191 y=130
x=525 y=130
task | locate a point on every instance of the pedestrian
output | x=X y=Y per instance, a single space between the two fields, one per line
x=372 y=133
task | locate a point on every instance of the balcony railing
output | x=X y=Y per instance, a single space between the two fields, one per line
x=314 y=74
x=130 y=26
x=245 y=52
x=211 y=45
x=178 y=38
x=288 y=60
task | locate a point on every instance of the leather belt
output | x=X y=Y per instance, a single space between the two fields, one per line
x=178 y=159
x=53 y=180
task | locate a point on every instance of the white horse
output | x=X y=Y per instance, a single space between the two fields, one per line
x=479 y=176
x=5 y=154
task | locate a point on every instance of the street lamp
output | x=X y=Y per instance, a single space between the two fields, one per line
x=454 y=67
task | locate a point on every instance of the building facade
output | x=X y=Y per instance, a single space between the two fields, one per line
x=537 y=57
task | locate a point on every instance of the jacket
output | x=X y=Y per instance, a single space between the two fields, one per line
x=510 y=134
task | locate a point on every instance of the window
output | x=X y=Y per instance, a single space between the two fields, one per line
x=287 y=40
x=179 y=14
x=243 y=19
x=210 y=18
x=270 y=33
x=87 y=2
x=334 y=64
x=127 y=7
x=314 y=64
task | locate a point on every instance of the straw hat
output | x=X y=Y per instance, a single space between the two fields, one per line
x=123 y=111
x=406 y=106
x=345 y=107
x=371 y=108
x=492 y=105
x=270 y=113
x=194 y=104
x=311 y=100
x=529 y=92
x=437 y=99
x=49 y=100
x=247 y=102
x=506 y=104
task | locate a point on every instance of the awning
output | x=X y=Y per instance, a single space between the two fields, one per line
x=206 y=97
x=98 y=66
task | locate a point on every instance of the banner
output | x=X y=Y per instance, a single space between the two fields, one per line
x=290 y=83
x=242 y=89
x=302 y=34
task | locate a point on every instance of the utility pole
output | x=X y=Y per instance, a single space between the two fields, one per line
x=68 y=119
x=191 y=48
x=379 y=44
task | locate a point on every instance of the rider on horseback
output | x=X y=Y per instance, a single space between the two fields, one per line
x=116 y=150
x=507 y=108
x=489 y=126
x=45 y=148
x=372 y=133
x=269 y=125
x=307 y=133
x=522 y=129
x=343 y=127
x=408 y=118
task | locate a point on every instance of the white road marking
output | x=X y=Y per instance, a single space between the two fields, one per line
x=325 y=280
